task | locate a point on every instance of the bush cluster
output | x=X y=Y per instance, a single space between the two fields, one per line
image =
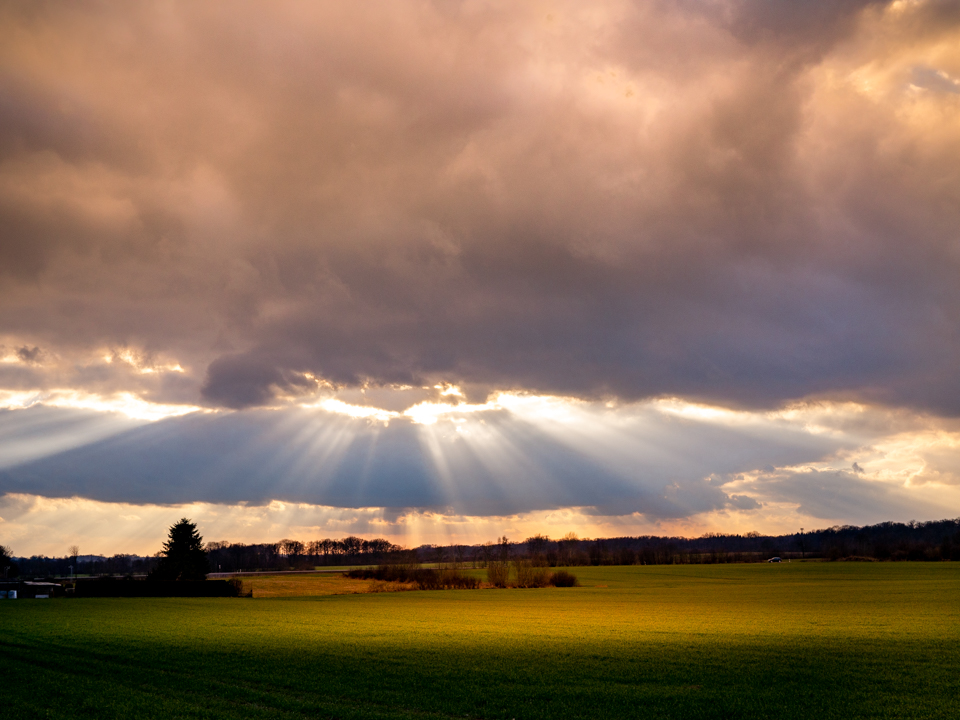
x=562 y=578
x=528 y=575
x=423 y=578
x=498 y=573
x=522 y=574
x=237 y=585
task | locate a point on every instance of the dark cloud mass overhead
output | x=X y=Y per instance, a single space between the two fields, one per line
x=736 y=202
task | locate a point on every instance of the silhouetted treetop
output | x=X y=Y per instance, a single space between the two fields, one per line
x=183 y=555
x=8 y=568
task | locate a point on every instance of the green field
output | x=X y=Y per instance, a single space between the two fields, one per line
x=834 y=640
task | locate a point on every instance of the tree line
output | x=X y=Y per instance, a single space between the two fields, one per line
x=297 y=555
x=925 y=541
x=41 y=565
x=928 y=541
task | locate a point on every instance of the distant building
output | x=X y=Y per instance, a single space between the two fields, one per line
x=27 y=590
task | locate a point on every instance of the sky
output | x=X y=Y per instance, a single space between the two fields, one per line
x=445 y=271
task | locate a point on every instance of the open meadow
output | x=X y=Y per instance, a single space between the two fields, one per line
x=308 y=585
x=797 y=640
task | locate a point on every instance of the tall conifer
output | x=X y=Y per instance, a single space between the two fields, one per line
x=183 y=555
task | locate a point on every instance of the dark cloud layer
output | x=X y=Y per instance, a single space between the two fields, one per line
x=740 y=202
x=496 y=464
x=834 y=494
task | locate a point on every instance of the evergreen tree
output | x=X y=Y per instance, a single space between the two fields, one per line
x=183 y=556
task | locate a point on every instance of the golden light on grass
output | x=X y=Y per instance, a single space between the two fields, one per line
x=313 y=585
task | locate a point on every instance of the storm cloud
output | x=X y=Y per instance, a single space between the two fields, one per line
x=741 y=203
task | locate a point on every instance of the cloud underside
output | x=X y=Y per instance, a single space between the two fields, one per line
x=737 y=202
x=494 y=463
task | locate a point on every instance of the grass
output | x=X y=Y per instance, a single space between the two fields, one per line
x=799 y=640
x=310 y=585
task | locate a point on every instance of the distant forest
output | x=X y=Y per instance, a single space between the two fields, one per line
x=930 y=541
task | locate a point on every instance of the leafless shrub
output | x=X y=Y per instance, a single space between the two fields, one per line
x=424 y=579
x=561 y=578
x=498 y=573
x=530 y=575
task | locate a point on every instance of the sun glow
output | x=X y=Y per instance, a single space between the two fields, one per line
x=428 y=413
x=681 y=408
x=142 y=363
x=355 y=411
x=423 y=413
x=47 y=525
x=126 y=403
